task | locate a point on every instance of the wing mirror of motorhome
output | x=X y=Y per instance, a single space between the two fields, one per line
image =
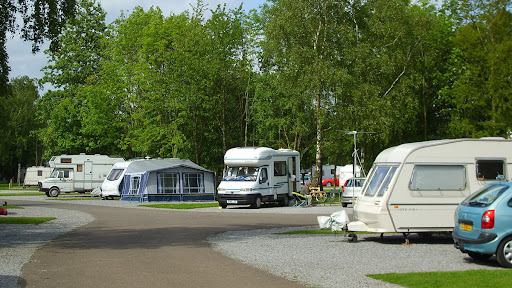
x=263 y=176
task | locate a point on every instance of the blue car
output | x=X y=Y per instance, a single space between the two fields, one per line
x=483 y=223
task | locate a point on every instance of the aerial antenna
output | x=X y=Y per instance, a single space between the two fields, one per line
x=355 y=154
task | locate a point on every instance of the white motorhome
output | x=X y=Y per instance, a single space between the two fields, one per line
x=111 y=185
x=258 y=174
x=416 y=187
x=34 y=174
x=79 y=173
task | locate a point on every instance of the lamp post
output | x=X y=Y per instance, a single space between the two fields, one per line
x=355 y=147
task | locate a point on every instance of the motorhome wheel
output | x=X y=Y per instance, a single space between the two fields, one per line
x=54 y=192
x=504 y=253
x=257 y=203
x=223 y=205
x=285 y=201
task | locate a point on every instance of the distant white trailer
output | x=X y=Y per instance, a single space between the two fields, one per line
x=76 y=173
x=34 y=174
x=416 y=187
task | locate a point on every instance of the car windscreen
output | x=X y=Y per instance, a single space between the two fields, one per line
x=241 y=173
x=486 y=195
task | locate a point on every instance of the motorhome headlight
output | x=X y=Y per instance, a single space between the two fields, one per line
x=245 y=189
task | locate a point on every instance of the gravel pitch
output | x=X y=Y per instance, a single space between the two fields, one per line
x=315 y=260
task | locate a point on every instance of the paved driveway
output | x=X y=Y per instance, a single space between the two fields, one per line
x=127 y=247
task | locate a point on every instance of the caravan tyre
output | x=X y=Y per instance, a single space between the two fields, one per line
x=257 y=203
x=54 y=192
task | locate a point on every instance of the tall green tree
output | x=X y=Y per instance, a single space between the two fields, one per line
x=480 y=69
x=76 y=59
x=42 y=19
x=18 y=144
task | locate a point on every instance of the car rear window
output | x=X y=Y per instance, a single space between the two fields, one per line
x=486 y=195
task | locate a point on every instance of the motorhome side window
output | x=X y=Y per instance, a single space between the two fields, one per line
x=241 y=173
x=280 y=168
x=489 y=169
x=438 y=177
x=263 y=175
x=379 y=180
x=65 y=160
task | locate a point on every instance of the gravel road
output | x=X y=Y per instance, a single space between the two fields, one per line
x=315 y=260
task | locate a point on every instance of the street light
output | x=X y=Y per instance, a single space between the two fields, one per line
x=355 y=148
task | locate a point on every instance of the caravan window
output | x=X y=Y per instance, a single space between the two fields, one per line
x=193 y=183
x=134 y=184
x=280 y=168
x=168 y=183
x=114 y=174
x=379 y=180
x=242 y=173
x=489 y=169
x=438 y=177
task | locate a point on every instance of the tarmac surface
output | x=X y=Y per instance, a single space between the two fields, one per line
x=153 y=248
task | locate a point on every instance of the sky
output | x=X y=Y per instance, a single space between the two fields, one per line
x=24 y=63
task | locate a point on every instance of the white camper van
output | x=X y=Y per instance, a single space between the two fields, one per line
x=80 y=173
x=111 y=185
x=416 y=187
x=257 y=174
x=34 y=174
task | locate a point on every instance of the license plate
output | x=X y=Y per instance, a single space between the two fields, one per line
x=466 y=227
x=232 y=201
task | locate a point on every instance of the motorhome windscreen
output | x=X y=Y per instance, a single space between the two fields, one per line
x=241 y=173
x=379 y=180
x=114 y=174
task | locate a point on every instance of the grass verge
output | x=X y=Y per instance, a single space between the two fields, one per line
x=23 y=194
x=182 y=205
x=25 y=220
x=462 y=279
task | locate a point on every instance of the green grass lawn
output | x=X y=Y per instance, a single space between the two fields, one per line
x=182 y=205
x=24 y=194
x=25 y=220
x=462 y=279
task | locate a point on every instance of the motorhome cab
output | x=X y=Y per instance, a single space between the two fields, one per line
x=416 y=187
x=79 y=173
x=257 y=174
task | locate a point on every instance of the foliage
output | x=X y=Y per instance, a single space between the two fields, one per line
x=42 y=19
x=25 y=220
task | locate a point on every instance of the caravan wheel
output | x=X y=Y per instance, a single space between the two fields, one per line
x=54 y=192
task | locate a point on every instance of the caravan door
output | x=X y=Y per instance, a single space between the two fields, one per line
x=87 y=184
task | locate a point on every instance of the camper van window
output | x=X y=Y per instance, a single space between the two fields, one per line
x=438 y=177
x=168 y=183
x=263 y=175
x=134 y=185
x=65 y=160
x=489 y=169
x=79 y=168
x=379 y=180
x=280 y=168
x=39 y=173
x=114 y=174
x=193 y=183
x=241 y=173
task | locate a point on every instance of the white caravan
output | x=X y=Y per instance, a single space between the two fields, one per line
x=257 y=174
x=34 y=174
x=416 y=187
x=80 y=173
x=111 y=185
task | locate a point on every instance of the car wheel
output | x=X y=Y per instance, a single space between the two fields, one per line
x=504 y=253
x=54 y=192
x=257 y=203
x=479 y=256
